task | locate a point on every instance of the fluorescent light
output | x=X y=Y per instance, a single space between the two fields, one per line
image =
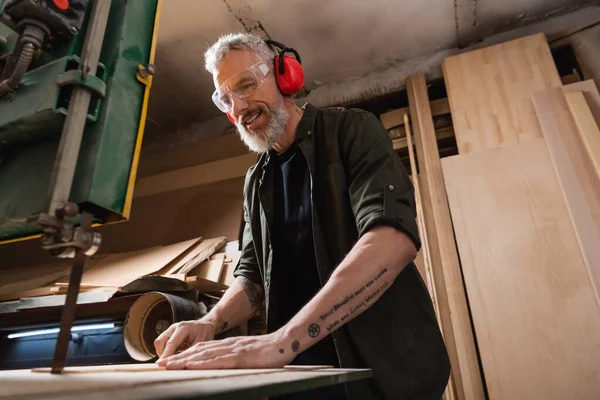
x=77 y=328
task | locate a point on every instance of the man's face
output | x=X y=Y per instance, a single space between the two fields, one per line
x=261 y=118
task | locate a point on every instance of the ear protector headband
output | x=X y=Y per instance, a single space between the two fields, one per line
x=288 y=71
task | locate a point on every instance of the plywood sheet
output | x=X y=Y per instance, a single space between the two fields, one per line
x=121 y=269
x=200 y=253
x=25 y=383
x=490 y=89
x=579 y=183
x=535 y=313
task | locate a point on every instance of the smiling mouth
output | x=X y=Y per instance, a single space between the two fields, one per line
x=253 y=118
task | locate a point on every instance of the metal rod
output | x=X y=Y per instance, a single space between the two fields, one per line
x=72 y=134
x=68 y=313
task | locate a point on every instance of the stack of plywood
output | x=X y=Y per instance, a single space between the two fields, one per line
x=195 y=262
x=524 y=195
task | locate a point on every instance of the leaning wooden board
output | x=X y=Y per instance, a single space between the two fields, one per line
x=580 y=185
x=535 y=313
x=143 y=384
x=490 y=89
x=450 y=296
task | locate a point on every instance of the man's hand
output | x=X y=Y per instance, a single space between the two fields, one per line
x=246 y=352
x=181 y=336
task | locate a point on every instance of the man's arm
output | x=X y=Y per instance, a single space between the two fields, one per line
x=364 y=275
x=357 y=283
x=239 y=303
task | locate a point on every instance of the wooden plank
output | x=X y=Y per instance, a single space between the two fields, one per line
x=216 y=384
x=41 y=291
x=204 y=285
x=206 y=249
x=570 y=79
x=198 y=175
x=402 y=143
x=105 y=368
x=579 y=184
x=586 y=125
x=395 y=118
x=590 y=91
x=123 y=268
x=490 y=89
x=425 y=259
x=534 y=309
x=449 y=287
x=210 y=270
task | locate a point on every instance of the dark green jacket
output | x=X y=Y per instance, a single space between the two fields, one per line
x=358 y=182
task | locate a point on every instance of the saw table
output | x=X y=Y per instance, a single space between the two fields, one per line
x=152 y=382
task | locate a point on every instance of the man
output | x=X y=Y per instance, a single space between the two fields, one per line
x=328 y=244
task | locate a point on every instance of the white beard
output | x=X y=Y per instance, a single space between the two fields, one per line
x=263 y=141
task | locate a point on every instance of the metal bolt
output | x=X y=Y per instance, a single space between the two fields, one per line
x=74 y=29
x=161 y=326
x=391 y=187
x=148 y=70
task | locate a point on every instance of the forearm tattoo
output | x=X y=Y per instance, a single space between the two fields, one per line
x=223 y=327
x=255 y=295
x=295 y=346
x=365 y=303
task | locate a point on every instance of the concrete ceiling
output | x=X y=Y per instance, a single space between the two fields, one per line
x=339 y=41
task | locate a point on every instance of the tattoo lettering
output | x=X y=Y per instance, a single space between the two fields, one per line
x=295 y=346
x=281 y=351
x=255 y=296
x=375 y=293
x=348 y=298
x=332 y=325
x=354 y=309
x=314 y=330
x=223 y=327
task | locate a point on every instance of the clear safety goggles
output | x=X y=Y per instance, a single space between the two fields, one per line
x=240 y=85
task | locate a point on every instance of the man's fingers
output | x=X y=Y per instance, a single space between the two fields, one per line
x=229 y=361
x=161 y=341
x=195 y=355
x=201 y=352
x=180 y=335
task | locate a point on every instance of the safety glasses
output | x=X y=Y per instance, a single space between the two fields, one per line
x=241 y=85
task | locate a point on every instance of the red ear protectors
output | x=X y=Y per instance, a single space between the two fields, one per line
x=231 y=118
x=288 y=71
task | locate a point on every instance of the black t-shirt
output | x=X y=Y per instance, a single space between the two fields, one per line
x=294 y=275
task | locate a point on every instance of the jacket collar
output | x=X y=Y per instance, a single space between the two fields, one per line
x=304 y=130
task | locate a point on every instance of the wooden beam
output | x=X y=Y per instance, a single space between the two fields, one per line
x=395 y=118
x=402 y=143
x=454 y=312
x=426 y=272
x=197 y=175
